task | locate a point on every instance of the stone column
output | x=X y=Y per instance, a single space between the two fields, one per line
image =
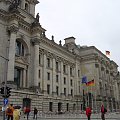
x=68 y=81
x=24 y=79
x=54 y=78
x=44 y=79
x=61 y=79
x=11 y=62
x=76 y=82
x=23 y=4
x=36 y=62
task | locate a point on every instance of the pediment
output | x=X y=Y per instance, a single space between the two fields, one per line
x=21 y=60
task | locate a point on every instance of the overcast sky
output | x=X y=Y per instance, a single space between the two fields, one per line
x=91 y=22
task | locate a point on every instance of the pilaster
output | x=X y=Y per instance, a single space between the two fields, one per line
x=44 y=79
x=25 y=78
x=76 y=82
x=61 y=79
x=54 y=78
x=68 y=81
x=13 y=31
x=36 y=60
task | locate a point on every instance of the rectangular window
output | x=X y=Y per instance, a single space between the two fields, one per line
x=57 y=78
x=39 y=84
x=64 y=68
x=64 y=80
x=71 y=92
x=48 y=62
x=70 y=71
x=39 y=59
x=67 y=106
x=48 y=89
x=57 y=90
x=71 y=82
x=57 y=67
x=48 y=75
x=50 y=106
x=65 y=91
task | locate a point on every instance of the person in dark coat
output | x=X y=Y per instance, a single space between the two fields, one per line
x=88 y=112
x=103 y=111
x=35 y=113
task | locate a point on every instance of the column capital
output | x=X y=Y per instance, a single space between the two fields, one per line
x=13 y=29
x=35 y=41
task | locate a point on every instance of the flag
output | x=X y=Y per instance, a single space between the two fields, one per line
x=108 y=53
x=90 y=83
x=84 y=79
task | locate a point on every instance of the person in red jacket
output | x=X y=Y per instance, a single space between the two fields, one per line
x=27 y=111
x=103 y=111
x=88 y=112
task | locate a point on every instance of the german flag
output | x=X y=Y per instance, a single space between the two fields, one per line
x=90 y=83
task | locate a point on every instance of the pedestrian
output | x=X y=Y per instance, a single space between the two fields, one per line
x=27 y=111
x=16 y=113
x=35 y=113
x=88 y=112
x=9 y=112
x=103 y=111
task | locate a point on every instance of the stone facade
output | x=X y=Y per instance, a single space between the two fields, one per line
x=47 y=75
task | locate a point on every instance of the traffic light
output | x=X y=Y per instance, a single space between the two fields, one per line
x=2 y=90
x=8 y=91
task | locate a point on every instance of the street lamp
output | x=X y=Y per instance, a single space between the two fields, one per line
x=3 y=89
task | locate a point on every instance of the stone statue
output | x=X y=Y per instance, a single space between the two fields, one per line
x=37 y=17
x=60 y=42
x=14 y=5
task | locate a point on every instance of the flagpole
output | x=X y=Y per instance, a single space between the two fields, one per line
x=92 y=97
x=87 y=97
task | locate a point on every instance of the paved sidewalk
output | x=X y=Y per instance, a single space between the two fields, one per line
x=109 y=116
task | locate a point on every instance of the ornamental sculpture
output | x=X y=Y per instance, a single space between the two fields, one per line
x=14 y=5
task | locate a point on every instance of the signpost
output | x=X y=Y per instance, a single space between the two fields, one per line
x=5 y=101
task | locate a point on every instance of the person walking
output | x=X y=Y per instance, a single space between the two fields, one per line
x=9 y=112
x=16 y=113
x=27 y=111
x=103 y=111
x=88 y=112
x=35 y=113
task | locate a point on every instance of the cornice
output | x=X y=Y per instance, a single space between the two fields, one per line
x=59 y=48
x=34 y=1
x=15 y=16
x=31 y=28
x=24 y=25
x=58 y=58
x=88 y=57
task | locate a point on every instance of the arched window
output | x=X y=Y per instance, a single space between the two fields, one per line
x=19 y=48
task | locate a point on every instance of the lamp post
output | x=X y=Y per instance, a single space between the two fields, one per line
x=5 y=79
x=84 y=101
